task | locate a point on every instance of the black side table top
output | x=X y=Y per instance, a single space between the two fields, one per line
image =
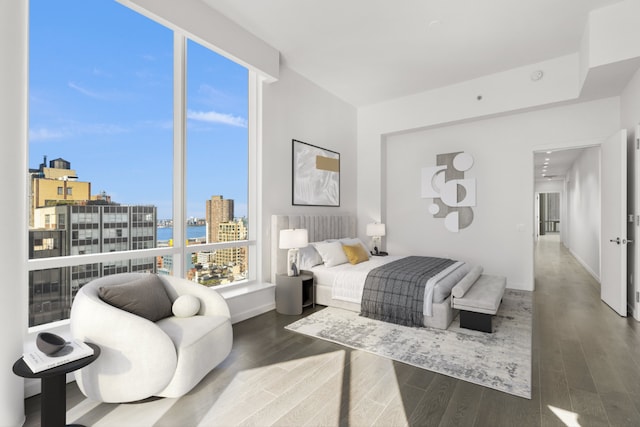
x=21 y=369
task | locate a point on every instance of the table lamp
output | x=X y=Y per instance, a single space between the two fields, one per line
x=293 y=239
x=376 y=230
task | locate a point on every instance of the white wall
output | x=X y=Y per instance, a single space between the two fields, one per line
x=583 y=197
x=13 y=251
x=501 y=235
x=630 y=118
x=295 y=108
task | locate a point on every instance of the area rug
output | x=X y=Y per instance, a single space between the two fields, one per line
x=501 y=360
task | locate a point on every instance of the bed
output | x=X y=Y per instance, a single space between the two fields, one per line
x=342 y=285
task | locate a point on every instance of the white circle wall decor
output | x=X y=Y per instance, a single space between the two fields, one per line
x=434 y=209
x=463 y=162
x=451 y=222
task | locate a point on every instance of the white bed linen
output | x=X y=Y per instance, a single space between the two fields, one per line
x=347 y=280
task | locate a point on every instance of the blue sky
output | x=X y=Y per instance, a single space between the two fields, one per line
x=101 y=98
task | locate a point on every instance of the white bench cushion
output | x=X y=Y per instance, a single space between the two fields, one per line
x=484 y=296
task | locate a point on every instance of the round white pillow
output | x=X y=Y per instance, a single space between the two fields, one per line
x=185 y=306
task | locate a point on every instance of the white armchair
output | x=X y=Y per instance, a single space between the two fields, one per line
x=140 y=358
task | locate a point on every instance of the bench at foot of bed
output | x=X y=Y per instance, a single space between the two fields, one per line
x=479 y=301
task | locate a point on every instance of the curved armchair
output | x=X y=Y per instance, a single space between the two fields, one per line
x=140 y=358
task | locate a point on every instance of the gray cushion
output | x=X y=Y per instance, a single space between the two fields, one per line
x=442 y=289
x=145 y=297
x=463 y=286
x=484 y=296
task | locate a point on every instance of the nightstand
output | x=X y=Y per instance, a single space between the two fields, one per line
x=54 y=387
x=293 y=293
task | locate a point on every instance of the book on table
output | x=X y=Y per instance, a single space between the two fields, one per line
x=37 y=361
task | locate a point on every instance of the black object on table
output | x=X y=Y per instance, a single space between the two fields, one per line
x=53 y=400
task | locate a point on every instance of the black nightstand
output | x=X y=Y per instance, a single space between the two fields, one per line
x=293 y=293
x=53 y=401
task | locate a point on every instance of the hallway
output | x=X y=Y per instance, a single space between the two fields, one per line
x=587 y=356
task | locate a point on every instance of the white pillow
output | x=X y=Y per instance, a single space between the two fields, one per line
x=331 y=253
x=309 y=257
x=185 y=306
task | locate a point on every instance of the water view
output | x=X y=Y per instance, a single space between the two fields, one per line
x=193 y=232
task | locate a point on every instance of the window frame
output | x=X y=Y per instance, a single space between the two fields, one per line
x=180 y=250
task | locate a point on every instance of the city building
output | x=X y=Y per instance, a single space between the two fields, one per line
x=230 y=232
x=54 y=184
x=218 y=210
x=84 y=229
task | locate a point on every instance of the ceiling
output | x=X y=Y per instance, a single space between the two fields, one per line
x=369 y=51
x=558 y=163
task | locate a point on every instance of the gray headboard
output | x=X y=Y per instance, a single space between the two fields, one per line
x=320 y=227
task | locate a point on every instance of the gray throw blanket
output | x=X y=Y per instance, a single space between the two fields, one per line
x=394 y=292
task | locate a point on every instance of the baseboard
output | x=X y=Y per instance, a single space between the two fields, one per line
x=255 y=311
x=584 y=264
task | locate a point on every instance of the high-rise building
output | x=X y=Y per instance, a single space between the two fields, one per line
x=218 y=210
x=229 y=232
x=55 y=184
x=49 y=298
x=78 y=230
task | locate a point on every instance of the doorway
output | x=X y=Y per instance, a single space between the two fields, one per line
x=549 y=213
x=590 y=219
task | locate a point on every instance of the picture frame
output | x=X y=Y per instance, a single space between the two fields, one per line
x=315 y=175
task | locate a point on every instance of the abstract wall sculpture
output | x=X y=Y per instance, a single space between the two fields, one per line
x=453 y=195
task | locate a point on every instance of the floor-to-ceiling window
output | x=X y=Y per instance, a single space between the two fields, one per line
x=217 y=161
x=102 y=145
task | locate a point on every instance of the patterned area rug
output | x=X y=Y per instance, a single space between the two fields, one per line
x=501 y=360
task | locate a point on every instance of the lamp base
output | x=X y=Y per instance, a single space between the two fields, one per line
x=292 y=260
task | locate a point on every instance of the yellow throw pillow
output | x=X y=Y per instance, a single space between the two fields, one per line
x=355 y=253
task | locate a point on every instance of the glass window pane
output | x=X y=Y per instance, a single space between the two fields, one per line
x=100 y=138
x=217 y=164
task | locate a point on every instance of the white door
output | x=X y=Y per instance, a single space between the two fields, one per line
x=613 y=240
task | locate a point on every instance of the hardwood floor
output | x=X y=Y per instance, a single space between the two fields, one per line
x=585 y=371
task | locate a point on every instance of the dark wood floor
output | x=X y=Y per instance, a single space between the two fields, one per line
x=585 y=371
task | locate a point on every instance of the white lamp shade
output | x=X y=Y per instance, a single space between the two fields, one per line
x=294 y=238
x=376 y=229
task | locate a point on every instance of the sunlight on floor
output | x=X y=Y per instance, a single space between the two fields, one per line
x=318 y=390
x=264 y=395
x=569 y=418
x=376 y=399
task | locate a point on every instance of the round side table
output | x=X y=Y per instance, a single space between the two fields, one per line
x=53 y=400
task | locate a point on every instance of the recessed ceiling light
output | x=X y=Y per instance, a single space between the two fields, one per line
x=547 y=159
x=549 y=152
x=435 y=23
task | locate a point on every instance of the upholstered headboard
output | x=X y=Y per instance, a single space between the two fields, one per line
x=320 y=227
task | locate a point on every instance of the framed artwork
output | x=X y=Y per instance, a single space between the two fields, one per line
x=316 y=175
